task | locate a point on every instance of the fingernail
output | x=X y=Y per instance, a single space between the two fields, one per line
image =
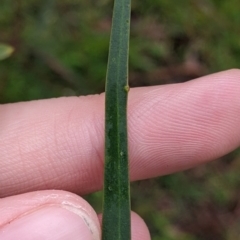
x=50 y=223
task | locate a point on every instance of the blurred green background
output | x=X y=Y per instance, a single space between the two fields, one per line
x=61 y=49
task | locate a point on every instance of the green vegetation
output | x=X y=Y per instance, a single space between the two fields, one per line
x=61 y=49
x=116 y=222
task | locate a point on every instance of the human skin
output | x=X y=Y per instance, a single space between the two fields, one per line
x=59 y=144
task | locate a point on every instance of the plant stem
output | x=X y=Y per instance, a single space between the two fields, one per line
x=116 y=205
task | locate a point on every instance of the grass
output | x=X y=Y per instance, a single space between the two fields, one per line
x=61 y=56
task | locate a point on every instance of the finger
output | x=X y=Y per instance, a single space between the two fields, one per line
x=59 y=143
x=48 y=215
x=55 y=215
x=177 y=127
x=139 y=230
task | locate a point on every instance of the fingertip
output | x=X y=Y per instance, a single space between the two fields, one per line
x=139 y=228
x=179 y=126
x=48 y=214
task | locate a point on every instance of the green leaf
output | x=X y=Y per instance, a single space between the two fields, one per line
x=5 y=51
x=116 y=205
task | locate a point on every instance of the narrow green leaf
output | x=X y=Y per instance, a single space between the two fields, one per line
x=5 y=51
x=116 y=205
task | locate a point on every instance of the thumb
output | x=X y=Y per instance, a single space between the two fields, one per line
x=45 y=215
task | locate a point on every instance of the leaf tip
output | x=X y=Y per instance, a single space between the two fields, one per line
x=5 y=51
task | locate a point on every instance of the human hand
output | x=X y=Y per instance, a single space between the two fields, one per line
x=59 y=144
